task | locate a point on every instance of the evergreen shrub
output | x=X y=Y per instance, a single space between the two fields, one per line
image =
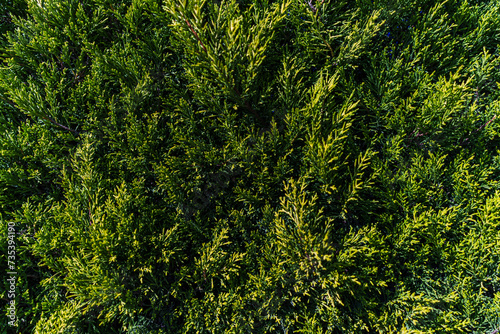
x=289 y=166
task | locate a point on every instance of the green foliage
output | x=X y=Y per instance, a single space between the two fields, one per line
x=251 y=166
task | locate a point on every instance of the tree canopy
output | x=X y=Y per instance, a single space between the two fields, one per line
x=290 y=166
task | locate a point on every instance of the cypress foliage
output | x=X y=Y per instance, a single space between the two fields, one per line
x=194 y=166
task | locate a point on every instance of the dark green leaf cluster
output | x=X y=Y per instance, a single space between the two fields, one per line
x=295 y=166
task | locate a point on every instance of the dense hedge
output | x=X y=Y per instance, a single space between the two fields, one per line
x=296 y=166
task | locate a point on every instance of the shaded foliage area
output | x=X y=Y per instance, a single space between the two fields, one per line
x=252 y=166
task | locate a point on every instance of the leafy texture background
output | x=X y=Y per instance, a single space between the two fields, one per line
x=188 y=166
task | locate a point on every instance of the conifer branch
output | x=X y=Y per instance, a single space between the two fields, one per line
x=46 y=118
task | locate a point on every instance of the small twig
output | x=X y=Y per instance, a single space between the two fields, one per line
x=485 y=124
x=327 y=44
x=479 y=129
x=59 y=125
x=12 y=104
x=312 y=6
x=416 y=133
x=90 y=214
x=194 y=33
x=46 y=118
x=314 y=9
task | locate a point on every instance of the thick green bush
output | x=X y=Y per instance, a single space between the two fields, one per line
x=292 y=166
